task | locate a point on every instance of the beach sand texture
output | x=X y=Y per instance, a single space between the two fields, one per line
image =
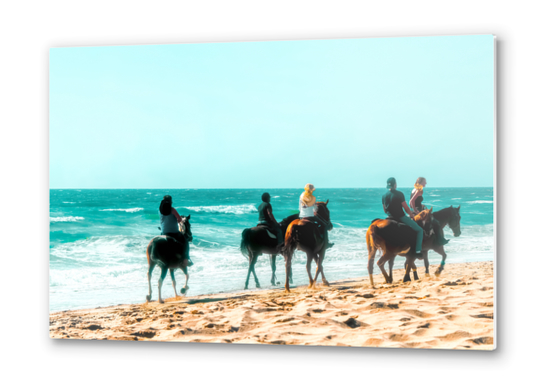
x=453 y=311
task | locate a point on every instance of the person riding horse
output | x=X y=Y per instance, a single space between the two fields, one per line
x=169 y=222
x=393 y=203
x=266 y=218
x=307 y=204
x=416 y=199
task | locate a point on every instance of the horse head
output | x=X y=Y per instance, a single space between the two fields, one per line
x=424 y=216
x=184 y=227
x=454 y=222
x=322 y=212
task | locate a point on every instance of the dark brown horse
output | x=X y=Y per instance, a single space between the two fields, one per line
x=446 y=217
x=308 y=235
x=167 y=253
x=256 y=241
x=393 y=239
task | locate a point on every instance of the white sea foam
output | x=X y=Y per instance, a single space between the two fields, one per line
x=68 y=202
x=234 y=209
x=480 y=202
x=66 y=219
x=130 y=210
x=457 y=198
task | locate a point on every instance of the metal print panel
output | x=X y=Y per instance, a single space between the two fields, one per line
x=317 y=192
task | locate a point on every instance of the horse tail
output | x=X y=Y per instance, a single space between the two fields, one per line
x=374 y=241
x=245 y=237
x=289 y=240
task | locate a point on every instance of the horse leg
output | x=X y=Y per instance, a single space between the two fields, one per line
x=414 y=269
x=255 y=259
x=320 y=268
x=426 y=262
x=185 y=288
x=173 y=282
x=390 y=266
x=149 y=275
x=440 y=251
x=250 y=261
x=273 y=260
x=408 y=267
x=288 y=262
x=309 y=262
x=381 y=262
x=160 y=281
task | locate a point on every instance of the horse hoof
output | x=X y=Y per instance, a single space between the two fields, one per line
x=325 y=283
x=258 y=286
x=183 y=290
x=246 y=286
x=427 y=275
x=277 y=283
x=161 y=301
x=148 y=297
x=437 y=274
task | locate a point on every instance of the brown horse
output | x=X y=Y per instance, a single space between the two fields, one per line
x=167 y=253
x=310 y=236
x=393 y=239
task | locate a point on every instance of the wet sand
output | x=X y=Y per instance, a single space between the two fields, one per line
x=453 y=311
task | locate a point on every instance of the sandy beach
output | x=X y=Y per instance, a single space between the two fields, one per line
x=453 y=311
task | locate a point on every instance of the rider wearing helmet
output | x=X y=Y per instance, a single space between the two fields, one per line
x=265 y=217
x=393 y=203
x=169 y=222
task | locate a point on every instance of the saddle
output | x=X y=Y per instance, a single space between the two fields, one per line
x=268 y=229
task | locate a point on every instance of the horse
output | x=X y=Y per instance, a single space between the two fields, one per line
x=447 y=216
x=256 y=241
x=164 y=251
x=307 y=235
x=393 y=239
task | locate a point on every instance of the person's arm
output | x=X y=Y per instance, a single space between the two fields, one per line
x=177 y=216
x=407 y=209
x=413 y=200
x=270 y=212
x=384 y=208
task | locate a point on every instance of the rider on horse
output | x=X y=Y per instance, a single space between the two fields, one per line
x=169 y=221
x=267 y=219
x=393 y=203
x=416 y=198
x=307 y=204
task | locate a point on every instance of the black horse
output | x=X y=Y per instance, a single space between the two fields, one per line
x=447 y=217
x=256 y=241
x=167 y=253
x=310 y=236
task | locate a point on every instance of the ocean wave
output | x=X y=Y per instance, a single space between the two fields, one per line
x=233 y=209
x=130 y=210
x=66 y=219
x=480 y=202
x=68 y=202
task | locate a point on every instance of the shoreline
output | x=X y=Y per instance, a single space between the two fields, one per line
x=455 y=310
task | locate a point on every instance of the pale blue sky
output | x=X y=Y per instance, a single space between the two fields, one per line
x=335 y=113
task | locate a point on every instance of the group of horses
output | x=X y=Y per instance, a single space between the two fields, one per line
x=307 y=235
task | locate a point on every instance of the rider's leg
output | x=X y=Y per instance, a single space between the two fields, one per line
x=419 y=231
x=439 y=232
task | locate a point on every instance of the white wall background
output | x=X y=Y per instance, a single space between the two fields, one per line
x=29 y=29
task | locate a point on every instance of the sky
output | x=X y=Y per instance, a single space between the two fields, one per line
x=345 y=113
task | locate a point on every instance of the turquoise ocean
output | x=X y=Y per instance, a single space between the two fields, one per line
x=98 y=238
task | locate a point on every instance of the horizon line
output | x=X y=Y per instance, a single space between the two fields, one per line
x=259 y=188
